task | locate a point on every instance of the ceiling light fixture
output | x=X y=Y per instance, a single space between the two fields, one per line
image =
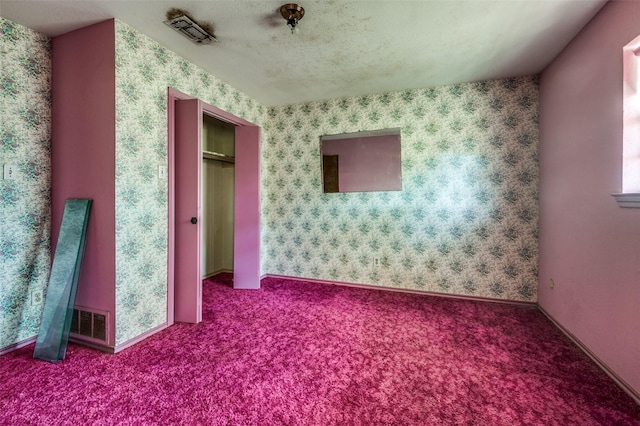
x=292 y=12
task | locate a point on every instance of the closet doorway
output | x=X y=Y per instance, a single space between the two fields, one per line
x=186 y=253
x=218 y=167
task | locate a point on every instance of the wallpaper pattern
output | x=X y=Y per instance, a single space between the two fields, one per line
x=25 y=135
x=144 y=69
x=466 y=221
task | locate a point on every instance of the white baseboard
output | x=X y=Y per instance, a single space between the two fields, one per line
x=33 y=339
x=219 y=271
x=91 y=344
x=139 y=338
x=18 y=345
x=619 y=381
x=405 y=290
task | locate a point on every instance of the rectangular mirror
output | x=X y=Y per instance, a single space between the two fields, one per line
x=362 y=161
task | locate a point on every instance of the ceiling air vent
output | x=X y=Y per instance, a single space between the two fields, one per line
x=188 y=28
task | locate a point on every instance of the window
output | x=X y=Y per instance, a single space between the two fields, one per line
x=630 y=196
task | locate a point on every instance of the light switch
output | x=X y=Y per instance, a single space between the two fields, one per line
x=10 y=171
x=162 y=171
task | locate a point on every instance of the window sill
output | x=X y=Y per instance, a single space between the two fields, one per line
x=631 y=200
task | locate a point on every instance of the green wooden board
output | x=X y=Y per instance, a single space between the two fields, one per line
x=53 y=336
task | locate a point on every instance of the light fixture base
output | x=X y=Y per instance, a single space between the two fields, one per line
x=293 y=13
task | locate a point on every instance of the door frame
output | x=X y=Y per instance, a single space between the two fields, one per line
x=174 y=95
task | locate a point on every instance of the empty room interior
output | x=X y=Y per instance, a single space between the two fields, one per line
x=324 y=212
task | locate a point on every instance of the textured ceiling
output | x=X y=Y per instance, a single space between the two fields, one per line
x=342 y=48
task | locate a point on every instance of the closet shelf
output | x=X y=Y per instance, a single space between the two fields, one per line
x=209 y=155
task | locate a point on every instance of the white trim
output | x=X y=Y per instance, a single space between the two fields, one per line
x=363 y=134
x=635 y=395
x=90 y=343
x=631 y=200
x=406 y=290
x=18 y=345
x=220 y=271
x=139 y=338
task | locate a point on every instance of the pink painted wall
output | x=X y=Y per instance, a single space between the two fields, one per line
x=589 y=246
x=371 y=164
x=83 y=152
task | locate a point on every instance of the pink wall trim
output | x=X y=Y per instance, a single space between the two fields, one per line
x=172 y=95
x=589 y=246
x=83 y=152
x=224 y=116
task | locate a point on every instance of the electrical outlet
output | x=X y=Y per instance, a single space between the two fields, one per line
x=36 y=297
x=376 y=262
x=551 y=284
x=10 y=172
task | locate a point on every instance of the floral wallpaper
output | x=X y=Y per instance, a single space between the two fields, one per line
x=464 y=223
x=466 y=220
x=25 y=73
x=144 y=69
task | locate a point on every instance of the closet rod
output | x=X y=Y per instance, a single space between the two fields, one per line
x=218 y=157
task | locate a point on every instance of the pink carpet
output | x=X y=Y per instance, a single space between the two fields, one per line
x=298 y=353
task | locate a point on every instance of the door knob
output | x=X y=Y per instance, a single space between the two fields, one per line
x=194 y=220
